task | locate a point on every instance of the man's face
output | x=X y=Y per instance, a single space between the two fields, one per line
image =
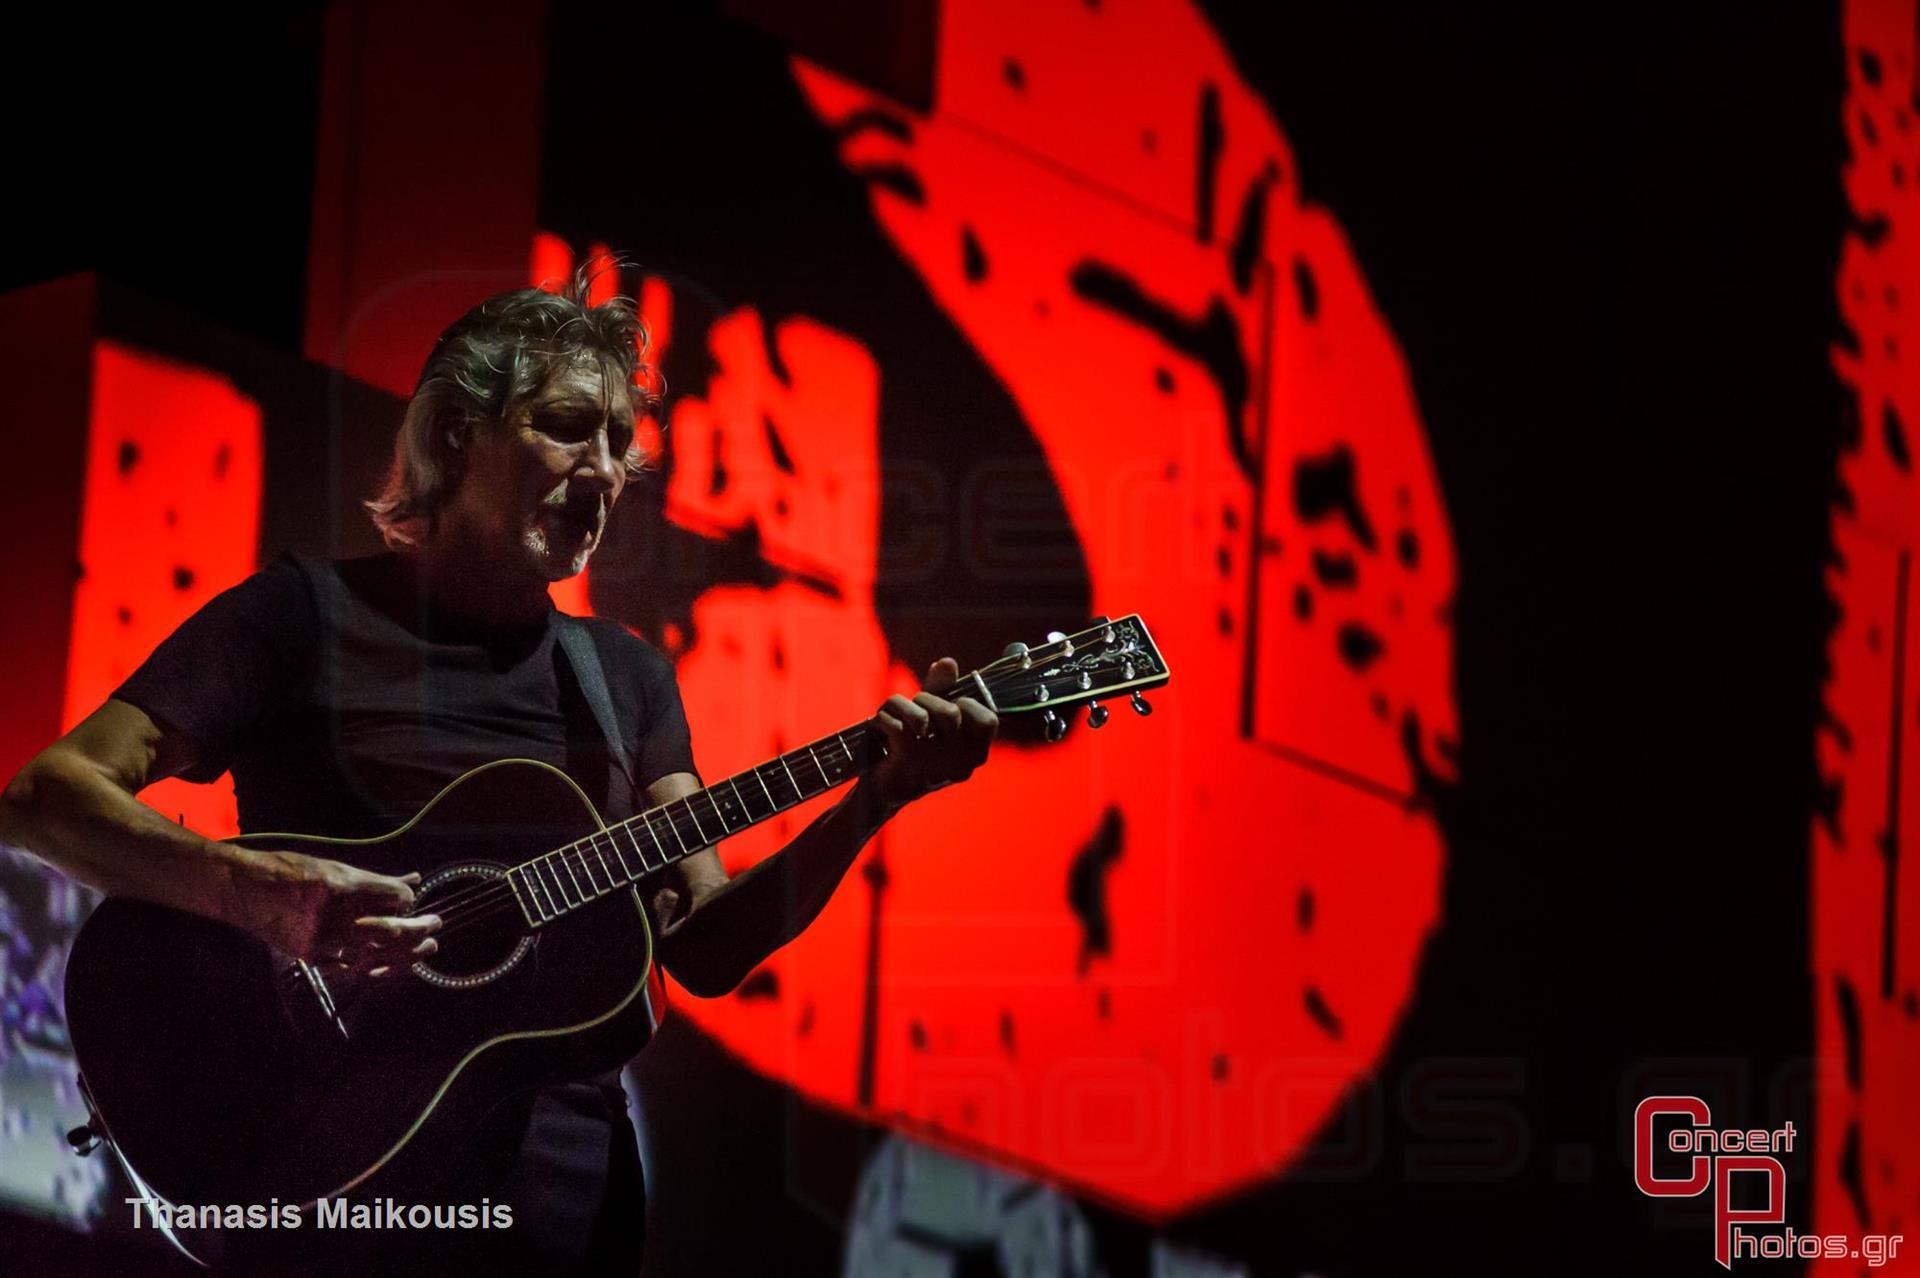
x=538 y=490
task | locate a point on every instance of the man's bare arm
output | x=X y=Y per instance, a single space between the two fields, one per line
x=73 y=806
x=714 y=930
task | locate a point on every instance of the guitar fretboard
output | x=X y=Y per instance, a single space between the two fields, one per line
x=563 y=880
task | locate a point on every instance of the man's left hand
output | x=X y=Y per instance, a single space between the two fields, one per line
x=931 y=741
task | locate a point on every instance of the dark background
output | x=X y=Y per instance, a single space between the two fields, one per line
x=1606 y=240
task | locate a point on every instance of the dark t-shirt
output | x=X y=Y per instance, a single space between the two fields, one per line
x=342 y=702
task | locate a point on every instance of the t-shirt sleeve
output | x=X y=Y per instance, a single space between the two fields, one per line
x=666 y=743
x=228 y=667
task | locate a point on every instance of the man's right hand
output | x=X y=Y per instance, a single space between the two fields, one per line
x=330 y=913
x=73 y=805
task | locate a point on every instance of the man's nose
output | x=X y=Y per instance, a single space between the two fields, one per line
x=598 y=467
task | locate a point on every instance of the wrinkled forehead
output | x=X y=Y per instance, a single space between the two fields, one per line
x=579 y=381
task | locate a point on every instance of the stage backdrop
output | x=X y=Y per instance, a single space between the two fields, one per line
x=1324 y=348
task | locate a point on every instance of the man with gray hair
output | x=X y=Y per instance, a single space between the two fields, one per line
x=343 y=695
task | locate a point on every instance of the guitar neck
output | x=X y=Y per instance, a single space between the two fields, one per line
x=561 y=881
x=1108 y=659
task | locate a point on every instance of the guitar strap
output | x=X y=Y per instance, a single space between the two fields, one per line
x=577 y=643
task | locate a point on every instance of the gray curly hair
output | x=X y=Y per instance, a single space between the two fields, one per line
x=483 y=366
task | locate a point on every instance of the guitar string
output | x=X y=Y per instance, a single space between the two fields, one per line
x=762 y=773
x=576 y=859
x=497 y=897
x=490 y=898
x=484 y=900
x=574 y=855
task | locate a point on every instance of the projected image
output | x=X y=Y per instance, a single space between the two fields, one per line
x=157 y=427
x=39 y=1097
x=1105 y=355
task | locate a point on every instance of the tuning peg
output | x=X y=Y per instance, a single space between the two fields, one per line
x=1141 y=705
x=1096 y=715
x=1056 y=727
x=1018 y=649
x=1098 y=621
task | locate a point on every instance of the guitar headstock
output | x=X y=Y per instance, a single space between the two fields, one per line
x=1108 y=659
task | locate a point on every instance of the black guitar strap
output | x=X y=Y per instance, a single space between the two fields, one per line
x=587 y=672
x=577 y=642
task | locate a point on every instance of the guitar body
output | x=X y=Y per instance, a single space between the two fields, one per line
x=225 y=1074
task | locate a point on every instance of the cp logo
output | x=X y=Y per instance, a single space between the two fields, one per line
x=1711 y=1164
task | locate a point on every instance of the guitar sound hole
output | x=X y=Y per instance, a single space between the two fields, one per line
x=485 y=935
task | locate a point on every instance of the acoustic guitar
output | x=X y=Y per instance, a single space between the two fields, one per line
x=224 y=1072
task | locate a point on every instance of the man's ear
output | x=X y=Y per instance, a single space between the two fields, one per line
x=456 y=430
x=454 y=463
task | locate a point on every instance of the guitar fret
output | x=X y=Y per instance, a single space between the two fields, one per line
x=537 y=891
x=646 y=819
x=556 y=895
x=696 y=818
x=626 y=871
x=718 y=796
x=566 y=863
x=839 y=739
x=677 y=836
x=771 y=805
x=554 y=909
x=824 y=778
x=586 y=868
x=550 y=881
x=593 y=842
x=601 y=858
x=521 y=896
x=562 y=883
x=798 y=794
x=718 y=813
